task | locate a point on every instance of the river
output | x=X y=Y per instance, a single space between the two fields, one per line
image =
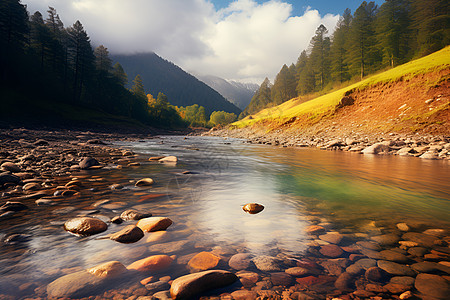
x=353 y=194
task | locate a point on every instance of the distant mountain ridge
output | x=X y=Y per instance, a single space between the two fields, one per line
x=181 y=88
x=236 y=92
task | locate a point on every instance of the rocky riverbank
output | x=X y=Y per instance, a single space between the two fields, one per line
x=55 y=170
x=417 y=145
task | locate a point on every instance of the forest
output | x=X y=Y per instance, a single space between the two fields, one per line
x=369 y=40
x=46 y=68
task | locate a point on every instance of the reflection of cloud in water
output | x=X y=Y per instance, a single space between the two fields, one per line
x=220 y=214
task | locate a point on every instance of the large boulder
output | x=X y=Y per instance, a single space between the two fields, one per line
x=85 y=226
x=186 y=287
x=154 y=224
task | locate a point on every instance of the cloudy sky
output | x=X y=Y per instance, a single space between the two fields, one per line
x=244 y=40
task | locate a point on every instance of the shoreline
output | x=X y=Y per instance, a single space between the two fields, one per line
x=434 y=147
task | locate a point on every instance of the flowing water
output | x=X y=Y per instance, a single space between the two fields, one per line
x=342 y=191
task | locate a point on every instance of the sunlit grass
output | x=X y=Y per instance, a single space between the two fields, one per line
x=322 y=105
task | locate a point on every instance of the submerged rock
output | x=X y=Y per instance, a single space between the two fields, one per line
x=267 y=263
x=240 y=261
x=203 y=261
x=432 y=285
x=76 y=285
x=186 y=287
x=131 y=214
x=151 y=263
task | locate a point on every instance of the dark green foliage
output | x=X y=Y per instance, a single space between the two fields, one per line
x=338 y=48
x=44 y=65
x=320 y=52
x=284 y=86
x=260 y=100
x=183 y=89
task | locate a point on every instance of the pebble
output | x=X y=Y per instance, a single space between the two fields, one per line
x=145 y=182
x=253 y=208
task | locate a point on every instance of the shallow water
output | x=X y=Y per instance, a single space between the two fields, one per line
x=345 y=191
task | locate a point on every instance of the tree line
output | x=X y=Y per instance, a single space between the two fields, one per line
x=372 y=39
x=45 y=63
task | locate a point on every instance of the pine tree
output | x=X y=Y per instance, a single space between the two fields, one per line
x=103 y=63
x=138 y=88
x=363 y=42
x=306 y=79
x=81 y=57
x=338 y=48
x=320 y=51
x=260 y=100
x=58 y=45
x=40 y=39
x=431 y=25
x=120 y=75
x=392 y=27
x=284 y=86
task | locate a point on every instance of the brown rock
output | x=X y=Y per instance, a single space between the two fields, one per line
x=154 y=224
x=393 y=256
x=395 y=268
x=109 y=269
x=331 y=251
x=85 y=226
x=244 y=295
x=151 y=263
x=88 y=163
x=432 y=285
x=376 y=274
x=145 y=182
x=253 y=208
x=203 y=261
x=375 y=288
x=131 y=214
x=32 y=186
x=76 y=285
x=420 y=238
x=11 y=167
x=315 y=229
x=344 y=282
x=129 y=234
x=281 y=278
x=247 y=278
x=297 y=271
x=332 y=237
x=395 y=288
x=386 y=239
x=240 y=261
x=186 y=287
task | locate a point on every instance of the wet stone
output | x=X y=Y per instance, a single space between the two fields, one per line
x=331 y=251
x=297 y=271
x=244 y=295
x=344 y=282
x=132 y=214
x=417 y=251
x=432 y=285
x=422 y=239
x=369 y=245
x=85 y=226
x=157 y=286
x=267 y=263
x=376 y=274
x=395 y=268
x=203 y=261
x=386 y=239
x=129 y=234
x=394 y=256
x=332 y=237
x=281 y=278
x=151 y=263
x=247 y=278
x=403 y=280
x=240 y=261
x=395 y=288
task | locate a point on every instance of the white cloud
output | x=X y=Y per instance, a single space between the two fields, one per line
x=245 y=41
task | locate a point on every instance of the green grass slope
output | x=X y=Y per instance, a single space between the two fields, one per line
x=326 y=104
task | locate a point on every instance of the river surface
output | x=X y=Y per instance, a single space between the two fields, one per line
x=347 y=192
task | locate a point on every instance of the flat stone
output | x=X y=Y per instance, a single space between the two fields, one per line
x=354 y=269
x=395 y=268
x=157 y=286
x=76 y=285
x=188 y=286
x=376 y=288
x=430 y=267
x=422 y=239
x=417 y=251
x=371 y=254
x=436 y=232
x=85 y=226
x=151 y=263
x=395 y=288
x=332 y=237
x=203 y=261
x=129 y=234
x=386 y=239
x=267 y=263
x=403 y=226
x=369 y=245
x=376 y=274
x=111 y=269
x=281 y=278
x=247 y=278
x=240 y=261
x=315 y=229
x=297 y=271
x=170 y=247
x=432 y=285
x=393 y=256
x=335 y=267
x=244 y=295
x=367 y=263
x=403 y=280
x=131 y=214
x=154 y=224
x=331 y=251
x=145 y=182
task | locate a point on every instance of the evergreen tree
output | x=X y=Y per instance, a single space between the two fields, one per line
x=431 y=25
x=40 y=39
x=284 y=86
x=393 y=31
x=81 y=57
x=58 y=45
x=363 y=43
x=260 y=100
x=103 y=63
x=306 y=79
x=320 y=51
x=138 y=88
x=120 y=74
x=339 y=48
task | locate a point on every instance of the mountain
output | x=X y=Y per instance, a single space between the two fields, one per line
x=236 y=92
x=181 y=88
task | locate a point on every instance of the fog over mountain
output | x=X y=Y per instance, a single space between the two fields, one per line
x=238 y=93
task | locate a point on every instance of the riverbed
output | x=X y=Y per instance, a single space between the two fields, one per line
x=357 y=197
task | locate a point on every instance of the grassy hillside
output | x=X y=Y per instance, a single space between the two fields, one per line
x=319 y=107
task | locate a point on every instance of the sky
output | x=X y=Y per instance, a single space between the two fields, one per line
x=242 y=40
